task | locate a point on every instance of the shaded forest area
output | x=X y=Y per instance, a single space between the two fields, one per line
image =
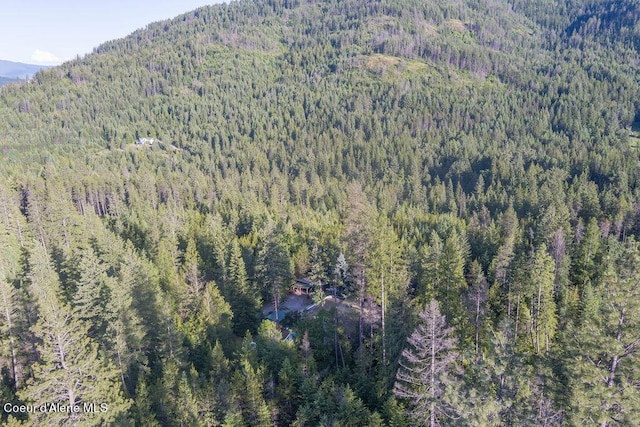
x=465 y=173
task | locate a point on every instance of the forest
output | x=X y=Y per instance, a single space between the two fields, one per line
x=459 y=178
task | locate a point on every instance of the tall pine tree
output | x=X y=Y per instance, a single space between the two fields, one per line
x=69 y=371
x=426 y=367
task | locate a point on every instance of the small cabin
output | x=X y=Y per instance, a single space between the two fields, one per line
x=144 y=141
x=303 y=287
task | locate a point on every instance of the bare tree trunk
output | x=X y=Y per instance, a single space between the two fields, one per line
x=65 y=233
x=361 y=320
x=477 y=319
x=335 y=335
x=532 y=326
x=19 y=232
x=275 y=303
x=432 y=415
x=39 y=225
x=371 y=322
x=616 y=358
x=538 y=317
x=14 y=359
x=509 y=299
x=170 y=340
x=124 y=383
x=384 y=334
x=517 y=317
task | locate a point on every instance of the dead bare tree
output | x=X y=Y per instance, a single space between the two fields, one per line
x=425 y=367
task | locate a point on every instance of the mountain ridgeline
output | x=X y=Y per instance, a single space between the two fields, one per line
x=12 y=72
x=7 y=80
x=462 y=170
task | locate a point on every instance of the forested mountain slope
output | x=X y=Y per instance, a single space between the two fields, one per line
x=476 y=160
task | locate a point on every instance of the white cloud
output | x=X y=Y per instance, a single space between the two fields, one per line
x=45 y=58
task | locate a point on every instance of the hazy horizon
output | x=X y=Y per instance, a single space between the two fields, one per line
x=49 y=33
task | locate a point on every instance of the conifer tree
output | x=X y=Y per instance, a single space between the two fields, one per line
x=11 y=221
x=243 y=299
x=194 y=283
x=426 y=368
x=351 y=410
x=12 y=330
x=124 y=333
x=476 y=298
x=387 y=277
x=69 y=371
x=187 y=403
x=142 y=410
x=274 y=269
x=178 y=401
x=502 y=266
x=429 y=262
x=216 y=313
x=586 y=255
x=246 y=395
x=358 y=234
x=452 y=283
x=219 y=388
x=89 y=298
x=542 y=304
x=603 y=352
x=287 y=392
x=317 y=272
x=35 y=210
x=507 y=390
x=341 y=270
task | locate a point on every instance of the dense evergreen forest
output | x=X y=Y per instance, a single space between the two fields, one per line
x=463 y=176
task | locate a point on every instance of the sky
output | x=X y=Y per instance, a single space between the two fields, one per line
x=49 y=32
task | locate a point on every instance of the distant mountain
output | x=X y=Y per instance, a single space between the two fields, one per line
x=18 y=70
x=7 y=80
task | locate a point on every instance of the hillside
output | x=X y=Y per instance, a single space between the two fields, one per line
x=477 y=159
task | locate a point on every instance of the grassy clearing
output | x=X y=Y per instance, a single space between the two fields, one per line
x=389 y=68
x=455 y=25
x=383 y=64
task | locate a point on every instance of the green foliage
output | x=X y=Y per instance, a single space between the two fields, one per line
x=603 y=352
x=244 y=300
x=426 y=368
x=273 y=269
x=69 y=371
x=480 y=154
x=503 y=388
x=246 y=396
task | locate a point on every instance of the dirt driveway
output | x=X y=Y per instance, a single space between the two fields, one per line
x=291 y=303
